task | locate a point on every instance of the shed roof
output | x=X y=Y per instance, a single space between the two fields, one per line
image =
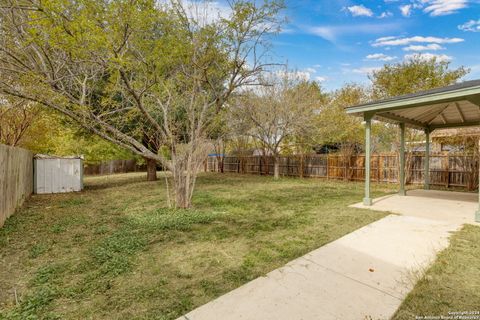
x=50 y=156
x=452 y=106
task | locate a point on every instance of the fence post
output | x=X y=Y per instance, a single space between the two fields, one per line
x=301 y=165
x=378 y=167
x=328 y=170
x=288 y=167
x=447 y=183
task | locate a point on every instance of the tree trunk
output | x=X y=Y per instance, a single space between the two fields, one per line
x=151 y=169
x=220 y=163
x=181 y=196
x=183 y=184
x=185 y=164
x=276 y=168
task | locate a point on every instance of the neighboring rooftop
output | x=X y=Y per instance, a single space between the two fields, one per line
x=460 y=132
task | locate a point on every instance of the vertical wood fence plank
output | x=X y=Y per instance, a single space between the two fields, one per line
x=445 y=170
x=16 y=179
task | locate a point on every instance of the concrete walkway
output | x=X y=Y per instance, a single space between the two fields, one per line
x=455 y=207
x=366 y=273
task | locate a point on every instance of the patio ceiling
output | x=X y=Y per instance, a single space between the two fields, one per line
x=453 y=106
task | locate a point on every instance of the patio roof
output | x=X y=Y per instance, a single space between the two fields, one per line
x=453 y=106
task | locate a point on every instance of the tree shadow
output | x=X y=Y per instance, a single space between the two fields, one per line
x=115 y=181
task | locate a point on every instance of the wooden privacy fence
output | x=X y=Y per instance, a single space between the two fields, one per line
x=445 y=170
x=16 y=179
x=113 y=166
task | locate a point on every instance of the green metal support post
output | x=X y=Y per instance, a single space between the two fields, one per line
x=368 y=132
x=427 y=159
x=401 y=176
x=477 y=214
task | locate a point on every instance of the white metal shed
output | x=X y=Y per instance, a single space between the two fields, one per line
x=54 y=174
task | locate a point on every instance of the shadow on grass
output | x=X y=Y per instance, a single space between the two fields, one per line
x=107 y=182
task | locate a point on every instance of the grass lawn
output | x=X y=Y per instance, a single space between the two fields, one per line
x=452 y=283
x=114 y=251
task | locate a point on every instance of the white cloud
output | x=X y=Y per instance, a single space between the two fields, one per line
x=380 y=57
x=443 y=7
x=474 y=72
x=406 y=10
x=303 y=75
x=310 y=70
x=386 y=38
x=433 y=7
x=327 y=33
x=286 y=30
x=472 y=25
x=432 y=46
x=320 y=79
x=428 y=56
x=360 y=10
x=298 y=75
x=365 y=70
x=331 y=33
x=394 y=41
x=385 y=14
x=203 y=12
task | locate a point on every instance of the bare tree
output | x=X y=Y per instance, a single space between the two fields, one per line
x=121 y=69
x=16 y=117
x=282 y=108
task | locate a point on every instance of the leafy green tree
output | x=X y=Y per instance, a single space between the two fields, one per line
x=64 y=140
x=16 y=118
x=334 y=125
x=27 y=125
x=413 y=75
x=305 y=140
x=124 y=68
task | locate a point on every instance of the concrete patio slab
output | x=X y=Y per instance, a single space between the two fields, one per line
x=366 y=273
x=455 y=207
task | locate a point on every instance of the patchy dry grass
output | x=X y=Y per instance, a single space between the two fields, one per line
x=114 y=251
x=452 y=284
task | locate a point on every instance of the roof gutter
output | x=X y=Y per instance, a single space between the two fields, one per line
x=428 y=99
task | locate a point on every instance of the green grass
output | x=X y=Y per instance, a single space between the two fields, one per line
x=451 y=284
x=114 y=251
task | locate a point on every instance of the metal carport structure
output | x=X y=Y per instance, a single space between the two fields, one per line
x=452 y=106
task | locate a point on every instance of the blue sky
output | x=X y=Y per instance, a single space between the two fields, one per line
x=337 y=42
